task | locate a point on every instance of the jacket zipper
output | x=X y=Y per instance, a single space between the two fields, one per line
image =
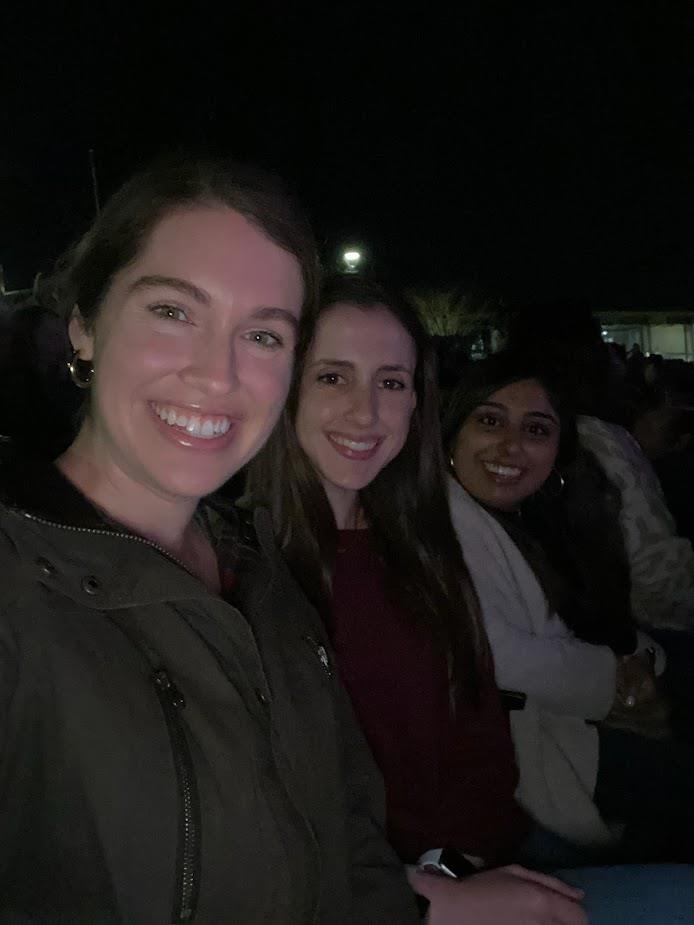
x=125 y=536
x=172 y=702
x=188 y=863
x=321 y=653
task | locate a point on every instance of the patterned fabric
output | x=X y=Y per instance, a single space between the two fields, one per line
x=661 y=563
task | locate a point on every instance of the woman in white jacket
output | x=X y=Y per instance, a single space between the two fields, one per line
x=538 y=525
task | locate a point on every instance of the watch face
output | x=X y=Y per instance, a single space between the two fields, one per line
x=455 y=864
x=448 y=862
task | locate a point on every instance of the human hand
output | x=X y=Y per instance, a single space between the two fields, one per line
x=639 y=706
x=636 y=684
x=509 y=895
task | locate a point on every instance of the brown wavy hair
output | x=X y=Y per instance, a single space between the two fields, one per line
x=84 y=274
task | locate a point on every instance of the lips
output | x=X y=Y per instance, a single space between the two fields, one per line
x=357 y=448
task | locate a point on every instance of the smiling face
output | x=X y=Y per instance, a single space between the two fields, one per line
x=507 y=448
x=192 y=351
x=356 y=398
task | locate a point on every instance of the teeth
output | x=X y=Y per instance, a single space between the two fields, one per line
x=510 y=471
x=354 y=444
x=221 y=426
x=197 y=426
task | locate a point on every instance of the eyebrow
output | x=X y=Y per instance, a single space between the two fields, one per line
x=269 y=313
x=529 y=414
x=347 y=364
x=172 y=282
x=396 y=369
x=266 y=313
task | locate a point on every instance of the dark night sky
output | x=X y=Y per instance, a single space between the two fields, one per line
x=537 y=150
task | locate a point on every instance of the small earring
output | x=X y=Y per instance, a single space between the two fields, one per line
x=556 y=493
x=451 y=463
x=81 y=371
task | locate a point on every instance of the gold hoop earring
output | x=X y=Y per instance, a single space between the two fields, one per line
x=81 y=371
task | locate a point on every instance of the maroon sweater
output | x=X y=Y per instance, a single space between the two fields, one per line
x=450 y=778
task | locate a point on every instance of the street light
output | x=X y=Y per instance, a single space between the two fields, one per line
x=351 y=259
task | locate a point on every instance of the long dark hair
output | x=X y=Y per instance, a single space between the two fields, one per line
x=569 y=533
x=406 y=506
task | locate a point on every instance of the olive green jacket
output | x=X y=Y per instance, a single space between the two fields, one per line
x=166 y=755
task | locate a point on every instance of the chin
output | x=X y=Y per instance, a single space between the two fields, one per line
x=353 y=483
x=506 y=503
x=188 y=484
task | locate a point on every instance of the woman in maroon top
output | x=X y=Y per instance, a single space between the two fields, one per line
x=363 y=518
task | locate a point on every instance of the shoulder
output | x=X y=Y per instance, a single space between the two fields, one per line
x=20 y=564
x=620 y=457
x=605 y=439
x=460 y=502
x=496 y=564
x=473 y=525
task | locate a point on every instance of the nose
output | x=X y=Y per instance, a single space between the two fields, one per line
x=364 y=406
x=213 y=368
x=510 y=444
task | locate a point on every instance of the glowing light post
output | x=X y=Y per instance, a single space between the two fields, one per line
x=351 y=260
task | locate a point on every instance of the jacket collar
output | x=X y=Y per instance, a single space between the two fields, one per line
x=39 y=489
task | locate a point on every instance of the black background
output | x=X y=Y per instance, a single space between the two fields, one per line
x=534 y=150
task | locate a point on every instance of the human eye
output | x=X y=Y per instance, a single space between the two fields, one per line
x=488 y=419
x=170 y=312
x=265 y=339
x=330 y=378
x=538 y=430
x=393 y=385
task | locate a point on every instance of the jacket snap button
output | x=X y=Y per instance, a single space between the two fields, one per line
x=45 y=567
x=261 y=696
x=90 y=585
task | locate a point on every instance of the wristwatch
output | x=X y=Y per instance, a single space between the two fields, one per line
x=448 y=862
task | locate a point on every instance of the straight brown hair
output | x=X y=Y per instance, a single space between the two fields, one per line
x=406 y=507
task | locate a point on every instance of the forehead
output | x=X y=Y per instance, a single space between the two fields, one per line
x=524 y=397
x=221 y=251
x=367 y=335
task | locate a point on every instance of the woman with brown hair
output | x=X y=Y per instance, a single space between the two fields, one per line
x=172 y=746
x=354 y=478
x=361 y=514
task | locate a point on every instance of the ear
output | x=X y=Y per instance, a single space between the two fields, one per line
x=413 y=400
x=82 y=341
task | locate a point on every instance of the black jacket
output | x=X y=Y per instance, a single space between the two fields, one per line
x=166 y=756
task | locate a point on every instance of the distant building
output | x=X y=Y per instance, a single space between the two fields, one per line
x=669 y=333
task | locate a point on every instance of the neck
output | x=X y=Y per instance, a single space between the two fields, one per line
x=163 y=520
x=345 y=507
